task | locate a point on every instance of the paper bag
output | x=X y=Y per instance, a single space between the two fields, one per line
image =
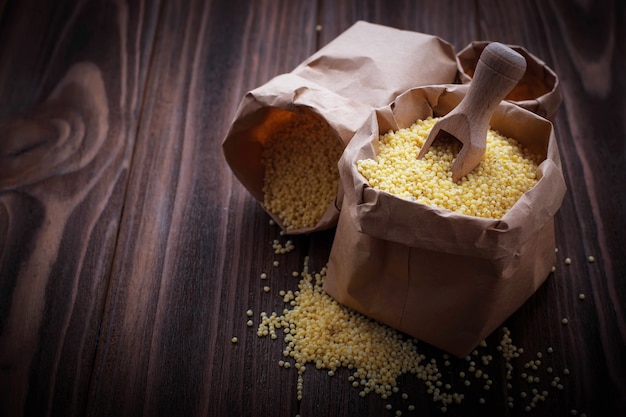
x=537 y=91
x=445 y=278
x=366 y=67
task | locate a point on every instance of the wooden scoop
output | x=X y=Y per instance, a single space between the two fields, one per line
x=498 y=70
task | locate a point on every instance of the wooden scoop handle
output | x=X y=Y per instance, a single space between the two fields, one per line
x=498 y=70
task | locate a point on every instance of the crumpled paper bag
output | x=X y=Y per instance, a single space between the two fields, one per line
x=365 y=67
x=445 y=278
x=263 y=112
x=538 y=90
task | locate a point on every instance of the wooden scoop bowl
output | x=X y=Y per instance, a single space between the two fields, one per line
x=498 y=70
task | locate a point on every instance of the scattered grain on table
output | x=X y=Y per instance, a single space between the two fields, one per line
x=319 y=332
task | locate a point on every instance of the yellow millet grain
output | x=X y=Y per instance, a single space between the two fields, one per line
x=301 y=174
x=506 y=172
x=279 y=249
x=320 y=331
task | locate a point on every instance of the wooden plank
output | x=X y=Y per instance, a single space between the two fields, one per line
x=335 y=396
x=451 y=20
x=71 y=82
x=193 y=242
x=134 y=253
x=580 y=43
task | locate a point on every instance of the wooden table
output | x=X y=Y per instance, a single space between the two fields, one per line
x=129 y=253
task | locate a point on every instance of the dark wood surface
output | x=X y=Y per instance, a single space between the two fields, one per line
x=129 y=253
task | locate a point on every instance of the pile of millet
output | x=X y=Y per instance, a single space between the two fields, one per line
x=506 y=171
x=301 y=174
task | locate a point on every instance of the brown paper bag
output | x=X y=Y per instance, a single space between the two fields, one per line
x=373 y=64
x=265 y=109
x=365 y=67
x=538 y=91
x=445 y=278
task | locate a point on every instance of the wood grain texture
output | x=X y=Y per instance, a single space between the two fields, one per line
x=62 y=185
x=129 y=254
x=581 y=122
x=594 y=209
x=191 y=245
